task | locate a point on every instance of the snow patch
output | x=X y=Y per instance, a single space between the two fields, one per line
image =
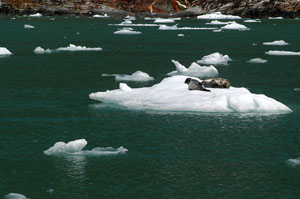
x=217 y=15
x=215 y=59
x=75 y=148
x=172 y=94
x=194 y=70
x=257 y=61
x=137 y=76
x=282 y=53
x=276 y=43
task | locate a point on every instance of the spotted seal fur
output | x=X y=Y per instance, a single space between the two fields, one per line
x=216 y=83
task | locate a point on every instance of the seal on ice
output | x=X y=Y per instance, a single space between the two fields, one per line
x=195 y=85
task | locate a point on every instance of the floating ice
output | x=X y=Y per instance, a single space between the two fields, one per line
x=215 y=59
x=257 y=61
x=100 y=16
x=4 y=51
x=293 y=162
x=127 y=32
x=72 y=47
x=172 y=94
x=28 y=26
x=126 y=22
x=40 y=50
x=36 y=15
x=160 y=20
x=194 y=70
x=275 y=17
x=165 y=27
x=134 y=25
x=131 y=18
x=276 y=43
x=75 y=148
x=235 y=26
x=218 y=30
x=282 y=53
x=216 y=22
x=14 y=196
x=138 y=76
x=297 y=89
x=252 y=21
x=217 y=15
x=180 y=35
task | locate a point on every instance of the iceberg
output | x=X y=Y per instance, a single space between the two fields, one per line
x=235 y=26
x=216 y=22
x=276 y=43
x=217 y=15
x=4 y=51
x=28 y=26
x=76 y=148
x=160 y=20
x=72 y=47
x=40 y=50
x=165 y=27
x=127 y=32
x=282 y=53
x=180 y=35
x=257 y=61
x=100 y=16
x=194 y=70
x=36 y=15
x=275 y=18
x=215 y=59
x=134 y=25
x=172 y=94
x=252 y=21
x=137 y=76
x=14 y=196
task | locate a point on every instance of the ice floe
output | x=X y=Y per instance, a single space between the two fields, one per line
x=257 y=61
x=297 y=89
x=216 y=22
x=275 y=17
x=134 y=25
x=293 y=162
x=28 y=26
x=36 y=15
x=131 y=18
x=282 y=53
x=165 y=27
x=252 y=21
x=73 y=47
x=276 y=43
x=235 y=26
x=215 y=59
x=40 y=50
x=194 y=70
x=4 y=51
x=217 y=15
x=172 y=94
x=127 y=31
x=180 y=35
x=161 y=20
x=76 y=148
x=137 y=76
x=100 y=16
x=14 y=196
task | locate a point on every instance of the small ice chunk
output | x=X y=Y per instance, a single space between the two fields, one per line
x=160 y=20
x=217 y=15
x=297 y=89
x=282 y=53
x=293 y=162
x=36 y=15
x=275 y=17
x=257 y=61
x=216 y=22
x=252 y=21
x=4 y=51
x=218 y=30
x=276 y=43
x=215 y=59
x=235 y=26
x=138 y=76
x=130 y=18
x=194 y=70
x=100 y=16
x=180 y=35
x=73 y=47
x=174 y=27
x=40 y=50
x=127 y=32
x=28 y=26
x=124 y=87
x=126 y=22
x=14 y=196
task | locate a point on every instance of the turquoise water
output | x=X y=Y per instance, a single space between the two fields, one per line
x=44 y=99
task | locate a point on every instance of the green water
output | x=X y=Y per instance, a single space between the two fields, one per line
x=44 y=99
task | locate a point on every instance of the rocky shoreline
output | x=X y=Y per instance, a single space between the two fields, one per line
x=153 y=8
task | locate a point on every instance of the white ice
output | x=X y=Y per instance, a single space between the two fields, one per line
x=35 y=15
x=40 y=50
x=215 y=59
x=14 y=196
x=4 y=51
x=100 y=16
x=76 y=148
x=172 y=94
x=165 y=27
x=282 y=53
x=276 y=43
x=235 y=26
x=134 y=25
x=161 y=20
x=293 y=162
x=73 y=47
x=217 y=15
x=131 y=18
x=194 y=70
x=28 y=26
x=252 y=21
x=275 y=17
x=180 y=35
x=257 y=61
x=138 y=76
x=216 y=22
x=127 y=32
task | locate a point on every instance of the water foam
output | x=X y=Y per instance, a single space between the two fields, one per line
x=215 y=59
x=138 y=76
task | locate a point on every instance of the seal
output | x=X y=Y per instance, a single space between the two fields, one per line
x=195 y=85
x=216 y=83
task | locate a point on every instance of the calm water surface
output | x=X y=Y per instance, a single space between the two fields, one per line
x=44 y=99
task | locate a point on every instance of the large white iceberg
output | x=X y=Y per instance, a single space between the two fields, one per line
x=75 y=148
x=282 y=53
x=4 y=51
x=194 y=70
x=73 y=47
x=215 y=59
x=276 y=43
x=217 y=15
x=138 y=76
x=172 y=94
x=235 y=26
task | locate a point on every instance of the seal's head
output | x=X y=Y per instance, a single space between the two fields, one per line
x=187 y=80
